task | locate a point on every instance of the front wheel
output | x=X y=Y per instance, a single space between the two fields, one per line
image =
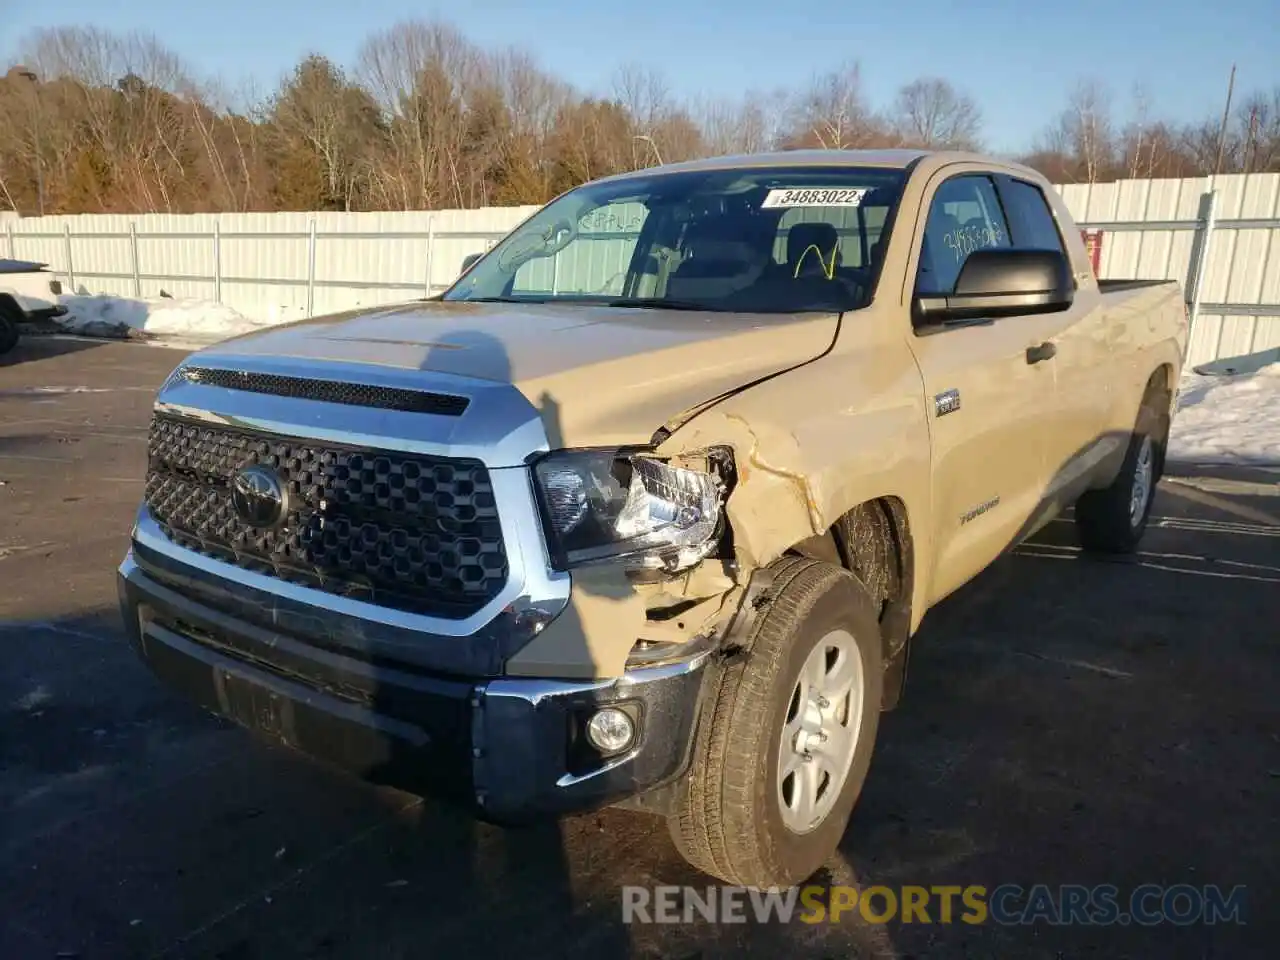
x=787 y=739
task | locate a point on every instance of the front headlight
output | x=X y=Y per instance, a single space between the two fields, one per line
x=613 y=506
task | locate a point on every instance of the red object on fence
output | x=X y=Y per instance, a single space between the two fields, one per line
x=1093 y=246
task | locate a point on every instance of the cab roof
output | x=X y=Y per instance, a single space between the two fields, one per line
x=889 y=159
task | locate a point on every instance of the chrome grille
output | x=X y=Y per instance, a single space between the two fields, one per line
x=408 y=531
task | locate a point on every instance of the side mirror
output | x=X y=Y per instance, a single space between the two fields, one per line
x=468 y=260
x=1002 y=283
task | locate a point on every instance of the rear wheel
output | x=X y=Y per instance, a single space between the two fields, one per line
x=1113 y=519
x=787 y=739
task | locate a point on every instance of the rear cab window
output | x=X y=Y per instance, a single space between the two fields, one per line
x=1030 y=217
x=858 y=231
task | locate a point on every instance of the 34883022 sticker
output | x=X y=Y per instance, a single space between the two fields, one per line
x=814 y=197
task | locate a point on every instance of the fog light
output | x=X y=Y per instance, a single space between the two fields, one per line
x=610 y=730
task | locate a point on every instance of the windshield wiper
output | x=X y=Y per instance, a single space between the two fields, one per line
x=503 y=300
x=661 y=303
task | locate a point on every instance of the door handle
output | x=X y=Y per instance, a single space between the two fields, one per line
x=1044 y=351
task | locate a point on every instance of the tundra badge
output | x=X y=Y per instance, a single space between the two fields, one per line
x=946 y=402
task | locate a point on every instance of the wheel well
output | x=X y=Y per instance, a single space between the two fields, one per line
x=1161 y=380
x=9 y=307
x=873 y=542
x=1159 y=394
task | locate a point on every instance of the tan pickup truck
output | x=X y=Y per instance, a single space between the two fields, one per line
x=646 y=508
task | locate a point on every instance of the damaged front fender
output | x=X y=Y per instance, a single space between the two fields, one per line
x=797 y=468
x=775 y=503
x=619 y=616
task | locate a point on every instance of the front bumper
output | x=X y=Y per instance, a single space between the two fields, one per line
x=46 y=313
x=512 y=750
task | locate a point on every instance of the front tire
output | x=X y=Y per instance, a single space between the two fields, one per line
x=1113 y=520
x=785 y=744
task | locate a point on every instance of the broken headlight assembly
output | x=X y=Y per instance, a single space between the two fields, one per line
x=631 y=508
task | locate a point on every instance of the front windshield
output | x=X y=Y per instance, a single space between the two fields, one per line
x=769 y=239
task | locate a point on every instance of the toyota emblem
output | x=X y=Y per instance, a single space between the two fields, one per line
x=259 y=498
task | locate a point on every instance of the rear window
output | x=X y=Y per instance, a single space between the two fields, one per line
x=1030 y=218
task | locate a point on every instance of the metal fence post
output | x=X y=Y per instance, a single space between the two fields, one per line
x=217 y=262
x=311 y=268
x=431 y=238
x=71 y=270
x=137 y=269
x=1200 y=255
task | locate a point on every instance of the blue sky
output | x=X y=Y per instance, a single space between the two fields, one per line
x=1018 y=59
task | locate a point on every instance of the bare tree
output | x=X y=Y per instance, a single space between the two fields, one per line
x=1083 y=133
x=333 y=121
x=533 y=99
x=227 y=125
x=21 y=153
x=1148 y=147
x=1136 y=143
x=106 y=122
x=1089 y=123
x=532 y=95
x=748 y=125
x=931 y=113
x=1202 y=142
x=833 y=113
x=593 y=138
x=1259 y=119
x=643 y=93
x=678 y=136
x=420 y=74
x=123 y=94
x=664 y=130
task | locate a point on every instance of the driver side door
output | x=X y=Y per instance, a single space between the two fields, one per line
x=986 y=404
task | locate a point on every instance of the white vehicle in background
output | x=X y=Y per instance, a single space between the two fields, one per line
x=28 y=291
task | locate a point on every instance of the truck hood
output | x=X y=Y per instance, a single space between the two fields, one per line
x=597 y=375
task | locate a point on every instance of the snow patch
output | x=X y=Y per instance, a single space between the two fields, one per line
x=163 y=317
x=1231 y=419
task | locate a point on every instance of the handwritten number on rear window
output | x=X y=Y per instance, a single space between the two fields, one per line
x=964 y=241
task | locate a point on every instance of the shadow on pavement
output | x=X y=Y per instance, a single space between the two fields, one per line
x=1066 y=722
x=37 y=347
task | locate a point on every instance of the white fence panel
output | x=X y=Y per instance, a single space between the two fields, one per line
x=1155 y=229
x=1240 y=261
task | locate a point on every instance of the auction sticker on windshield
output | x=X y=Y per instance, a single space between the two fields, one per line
x=815 y=197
